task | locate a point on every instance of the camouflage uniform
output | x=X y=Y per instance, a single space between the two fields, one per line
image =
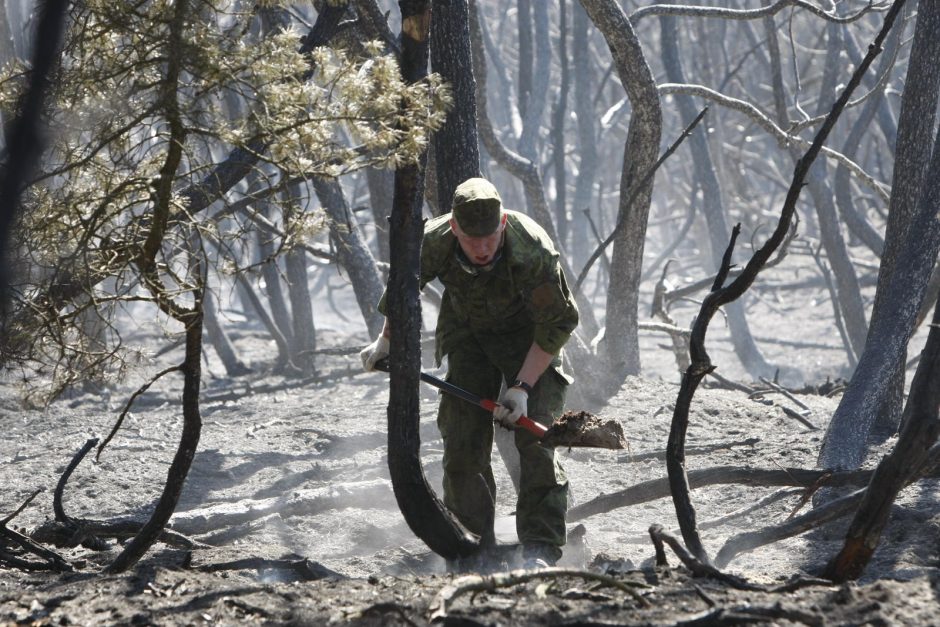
x=487 y=323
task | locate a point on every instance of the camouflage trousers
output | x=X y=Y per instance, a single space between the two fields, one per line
x=479 y=364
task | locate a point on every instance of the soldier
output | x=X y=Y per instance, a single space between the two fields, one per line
x=505 y=315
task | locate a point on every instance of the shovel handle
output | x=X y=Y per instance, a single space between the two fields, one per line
x=535 y=428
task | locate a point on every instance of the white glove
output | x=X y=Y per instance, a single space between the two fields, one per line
x=374 y=352
x=512 y=404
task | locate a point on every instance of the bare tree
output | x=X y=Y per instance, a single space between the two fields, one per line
x=911 y=245
x=621 y=350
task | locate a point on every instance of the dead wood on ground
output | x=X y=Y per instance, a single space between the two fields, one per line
x=66 y=531
x=304 y=568
x=739 y=475
x=14 y=546
x=482 y=583
x=817 y=517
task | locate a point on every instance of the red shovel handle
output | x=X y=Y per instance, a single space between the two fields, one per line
x=536 y=429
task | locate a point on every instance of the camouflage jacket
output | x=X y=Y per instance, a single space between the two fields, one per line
x=525 y=291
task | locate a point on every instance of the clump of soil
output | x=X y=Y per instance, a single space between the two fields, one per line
x=581 y=428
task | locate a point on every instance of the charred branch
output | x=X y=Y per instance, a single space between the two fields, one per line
x=721 y=295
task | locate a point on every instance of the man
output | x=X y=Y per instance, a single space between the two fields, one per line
x=505 y=315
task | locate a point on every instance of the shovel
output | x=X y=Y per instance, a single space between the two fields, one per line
x=572 y=429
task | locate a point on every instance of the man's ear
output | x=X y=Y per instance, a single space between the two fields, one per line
x=453 y=225
x=505 y=217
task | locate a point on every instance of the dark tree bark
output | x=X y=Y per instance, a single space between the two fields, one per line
x=912 y=155
x=713 y=204
x=425 y=514
x=920 y=432
x=352 y=253
x=909 y=256
x=182 y=461
x=25 y=137
x=621 y=347
x=381 y=188
x=456 y=149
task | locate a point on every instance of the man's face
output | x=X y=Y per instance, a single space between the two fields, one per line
x=480 y=250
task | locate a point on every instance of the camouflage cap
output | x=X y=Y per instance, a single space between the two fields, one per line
x=477 y=207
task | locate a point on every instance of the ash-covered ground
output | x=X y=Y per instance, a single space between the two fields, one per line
x=291 y=470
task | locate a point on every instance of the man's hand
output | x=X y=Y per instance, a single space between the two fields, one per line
x=373 y=352
x=512 y=404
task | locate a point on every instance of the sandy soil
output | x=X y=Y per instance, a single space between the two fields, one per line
x=288 y=471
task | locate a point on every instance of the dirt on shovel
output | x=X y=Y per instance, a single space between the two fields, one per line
x=581 y=428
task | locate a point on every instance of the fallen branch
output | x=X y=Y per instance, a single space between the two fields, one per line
x=487 y=583
x=696 y=566
x=66 y=531
x=53 y=561
x=373 y=493
x=748 y=614
x=306 y=569
x=692 y=450
x=719 y=475
x=730 y=516
x=820 y=515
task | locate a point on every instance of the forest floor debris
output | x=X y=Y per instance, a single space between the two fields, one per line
x=291 y=484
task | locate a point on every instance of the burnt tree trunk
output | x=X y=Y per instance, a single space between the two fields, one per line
x=456 y=148
x=912 y=155
x=24 y=136
x=909 y=256
x=425 y=514
x=303 y=329
x=381 y=183
x=541 y=76
x=851 y=214
x=271 y=273
x=621 y=346
x=182 y=461
x=921 y=429
x=352 y=253
x=283 y=362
